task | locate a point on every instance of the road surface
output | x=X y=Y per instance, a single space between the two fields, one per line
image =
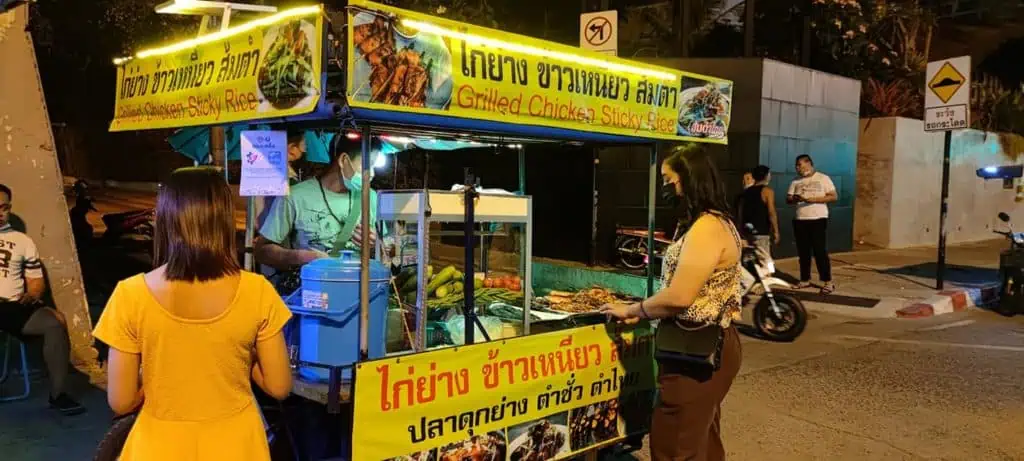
x=948 y=387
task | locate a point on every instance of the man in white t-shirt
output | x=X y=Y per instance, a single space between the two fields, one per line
x=811 y=193
x=21 y=311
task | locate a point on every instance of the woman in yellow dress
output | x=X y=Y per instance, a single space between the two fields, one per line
x=198 y=328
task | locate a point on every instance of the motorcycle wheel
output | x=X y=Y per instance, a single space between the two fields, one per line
x=113 y=442
x=632 y=252
x=785 y=327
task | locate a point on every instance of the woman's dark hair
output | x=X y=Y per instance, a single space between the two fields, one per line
x=195 y=226
x=804 y=157
x=702 y=185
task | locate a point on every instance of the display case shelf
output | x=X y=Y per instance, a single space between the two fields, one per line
x=411 y=206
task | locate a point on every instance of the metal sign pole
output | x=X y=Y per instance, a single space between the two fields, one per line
x=940 y=271
x=947 y=107
x=652 y=189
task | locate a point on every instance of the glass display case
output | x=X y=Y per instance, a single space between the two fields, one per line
x=425 y=239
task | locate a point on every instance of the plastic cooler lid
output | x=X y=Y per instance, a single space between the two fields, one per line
x=344 y=267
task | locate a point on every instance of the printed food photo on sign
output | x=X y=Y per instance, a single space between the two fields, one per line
x=540 y=440
x=484 y=447
x=286 y=74
x=430 y=455
x=399 y=67
x=595 y=423
x=704 y=108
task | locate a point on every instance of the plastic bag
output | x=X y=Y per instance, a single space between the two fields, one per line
x=457 y=328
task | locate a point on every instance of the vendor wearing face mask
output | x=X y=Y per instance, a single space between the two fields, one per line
x=320 y=216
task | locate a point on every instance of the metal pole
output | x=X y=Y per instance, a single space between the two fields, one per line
x=593 y=207
x=528 y=277
x=521 y=236
x=522 y=171
x=940 y=272
x=652 y=191
x=217 y=148
x=250 y=232
x=364 y=249
x=468 y=287
x=217 y=141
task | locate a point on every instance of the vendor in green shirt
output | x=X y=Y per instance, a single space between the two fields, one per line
x=320 y=216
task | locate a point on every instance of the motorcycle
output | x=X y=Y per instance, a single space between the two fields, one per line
x=1011 y=271
x=136 y=223
x=777 y=316
x=631 y=247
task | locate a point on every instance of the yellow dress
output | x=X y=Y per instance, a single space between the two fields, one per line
x=195 y=373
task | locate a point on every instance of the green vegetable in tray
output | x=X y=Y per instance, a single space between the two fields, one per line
x=404 y=275
x=442 y=278
x=443 y=291
x=410 y=284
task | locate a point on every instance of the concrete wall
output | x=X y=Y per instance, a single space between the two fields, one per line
x=900 y=208
x=779 y=112
x=28 y=165
x=809 y=112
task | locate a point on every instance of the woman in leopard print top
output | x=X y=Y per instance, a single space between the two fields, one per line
x=701 y=286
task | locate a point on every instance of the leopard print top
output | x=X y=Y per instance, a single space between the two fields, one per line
x=721 y=291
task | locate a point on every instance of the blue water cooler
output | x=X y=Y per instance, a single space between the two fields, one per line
x=327 y=313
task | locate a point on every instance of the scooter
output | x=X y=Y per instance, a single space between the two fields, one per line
x=631 y=247
x=777 y=316
x=129 y=223
x=1011 y=271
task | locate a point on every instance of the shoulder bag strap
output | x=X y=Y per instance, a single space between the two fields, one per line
x=347 y=227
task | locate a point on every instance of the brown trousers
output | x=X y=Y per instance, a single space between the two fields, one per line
x=686 y=422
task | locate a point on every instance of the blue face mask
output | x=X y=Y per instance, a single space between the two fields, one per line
x=355 y=183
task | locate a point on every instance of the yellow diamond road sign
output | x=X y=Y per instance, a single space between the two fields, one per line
x=946 y=82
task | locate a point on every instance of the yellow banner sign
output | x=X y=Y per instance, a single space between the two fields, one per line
x=409 y=62
x=539 y=397
x=266 y=69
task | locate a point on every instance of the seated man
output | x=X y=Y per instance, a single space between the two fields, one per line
x=320 y=216
x=21 y=312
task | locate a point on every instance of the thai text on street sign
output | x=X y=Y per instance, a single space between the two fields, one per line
x=264 y=164
x=600 y=31
x=947 y=97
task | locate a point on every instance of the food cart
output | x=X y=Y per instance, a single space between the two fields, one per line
x=566 y=390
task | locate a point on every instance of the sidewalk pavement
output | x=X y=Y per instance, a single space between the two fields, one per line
x=878 y=283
